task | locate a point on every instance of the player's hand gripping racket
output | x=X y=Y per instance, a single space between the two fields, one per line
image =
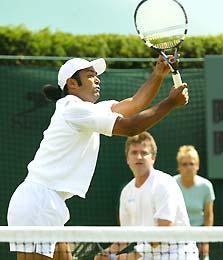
x=162 y=25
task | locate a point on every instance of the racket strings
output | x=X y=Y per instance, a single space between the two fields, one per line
x=166 y=30
x=161 y=23
x=162 y=43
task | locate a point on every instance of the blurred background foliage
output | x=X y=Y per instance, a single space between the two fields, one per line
x=18 y=40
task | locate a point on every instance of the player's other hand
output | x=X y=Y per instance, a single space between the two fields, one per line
x=179 y=96
x=162 y=68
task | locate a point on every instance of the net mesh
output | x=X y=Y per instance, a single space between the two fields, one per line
x=100 y=243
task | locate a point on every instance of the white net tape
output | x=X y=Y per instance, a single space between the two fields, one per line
x=110 y=234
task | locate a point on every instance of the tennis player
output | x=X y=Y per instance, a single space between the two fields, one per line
x=151 y=198
x=64 y=163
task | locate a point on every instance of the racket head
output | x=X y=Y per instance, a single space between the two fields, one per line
x=161 y=24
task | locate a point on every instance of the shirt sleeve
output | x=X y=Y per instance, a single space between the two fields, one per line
x=123 y=215
x=86 y=116
x=210 y=196
x=166 y=202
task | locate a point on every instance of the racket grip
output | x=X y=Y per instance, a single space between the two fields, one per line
x=177 y=79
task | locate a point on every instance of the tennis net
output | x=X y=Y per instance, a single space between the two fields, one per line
x=103 y=243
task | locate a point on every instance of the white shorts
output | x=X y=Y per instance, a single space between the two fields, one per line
x=33 y=204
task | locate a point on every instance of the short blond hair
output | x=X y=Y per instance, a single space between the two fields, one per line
x=187 y=151
x=140 y=138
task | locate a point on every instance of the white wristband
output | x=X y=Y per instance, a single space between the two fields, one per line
x=112 y=256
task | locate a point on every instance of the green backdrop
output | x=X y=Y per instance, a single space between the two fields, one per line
x=25 y=114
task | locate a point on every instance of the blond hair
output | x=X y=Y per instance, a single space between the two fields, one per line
x=187 y=151
x=140 y=138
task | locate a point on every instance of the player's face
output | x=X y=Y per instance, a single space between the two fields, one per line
x=188 y=167
x=140 y=159
x=90 y=88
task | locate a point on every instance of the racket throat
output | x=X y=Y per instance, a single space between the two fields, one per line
x=173 y=64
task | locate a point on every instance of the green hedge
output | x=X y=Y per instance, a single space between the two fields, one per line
x=21 y=41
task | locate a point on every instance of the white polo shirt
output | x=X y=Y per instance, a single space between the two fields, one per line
x=158 y=198
x=66 y=158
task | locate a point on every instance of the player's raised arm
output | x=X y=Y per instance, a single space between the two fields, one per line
x=133 y=125
x=146 y=93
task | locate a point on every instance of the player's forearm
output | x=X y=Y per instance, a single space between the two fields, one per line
x=148 y=91
x=209 y=220
x=208 y=214
x=115 y=248
x=145 y=94
x=144 y=120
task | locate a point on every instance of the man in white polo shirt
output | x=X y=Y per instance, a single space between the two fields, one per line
x=151 y=198
x=64 y=164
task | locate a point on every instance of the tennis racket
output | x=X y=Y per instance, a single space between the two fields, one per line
x=162 y=25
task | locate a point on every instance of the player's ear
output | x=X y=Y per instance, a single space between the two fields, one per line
x=197 y=166
x=72 y=83
x=127 y=160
